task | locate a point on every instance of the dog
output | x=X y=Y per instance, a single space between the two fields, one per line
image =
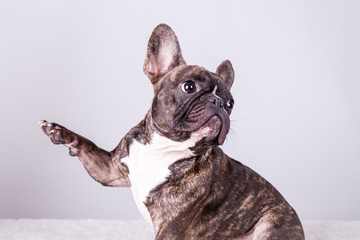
x=182 y=182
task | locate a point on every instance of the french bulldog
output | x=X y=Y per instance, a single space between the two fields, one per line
x=182 y=182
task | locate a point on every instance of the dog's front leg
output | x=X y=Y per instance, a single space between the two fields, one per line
x=102 y=165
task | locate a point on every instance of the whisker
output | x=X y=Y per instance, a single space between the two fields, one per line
x=233 y=136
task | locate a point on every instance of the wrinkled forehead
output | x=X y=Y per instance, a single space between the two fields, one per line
x=191 y=72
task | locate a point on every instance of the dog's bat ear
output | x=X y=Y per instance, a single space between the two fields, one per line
x=163 y=53
x=226 y=72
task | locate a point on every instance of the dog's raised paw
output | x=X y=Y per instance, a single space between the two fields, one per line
x=56 y=133
x=60 y=135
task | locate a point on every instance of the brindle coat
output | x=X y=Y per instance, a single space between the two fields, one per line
x=207 y=195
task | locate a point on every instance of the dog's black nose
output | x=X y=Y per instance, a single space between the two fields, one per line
x=217 y=101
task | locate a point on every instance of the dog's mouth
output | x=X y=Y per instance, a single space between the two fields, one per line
x=212 y=130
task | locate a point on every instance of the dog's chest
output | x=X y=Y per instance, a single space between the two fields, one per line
x=149 y=165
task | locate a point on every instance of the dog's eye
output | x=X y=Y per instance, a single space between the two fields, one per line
x=230 y=103
x=188 y=86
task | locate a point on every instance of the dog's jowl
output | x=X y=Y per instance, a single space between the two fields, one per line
x=182 y=182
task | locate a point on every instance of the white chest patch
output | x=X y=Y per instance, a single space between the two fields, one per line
x=149 y=164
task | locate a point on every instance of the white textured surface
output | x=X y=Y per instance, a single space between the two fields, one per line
x=332 y=230
x=49 y=229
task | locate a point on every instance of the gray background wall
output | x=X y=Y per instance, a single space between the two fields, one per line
x=79 y=63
